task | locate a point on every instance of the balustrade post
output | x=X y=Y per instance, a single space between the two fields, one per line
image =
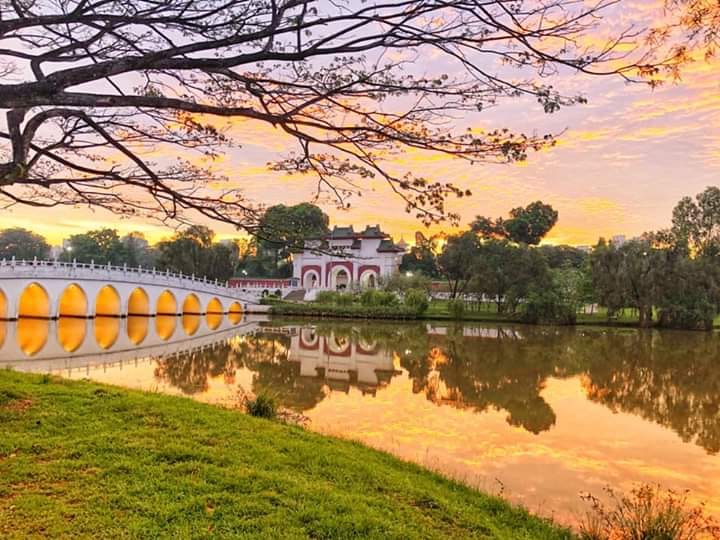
x=92 y=264
x=74 y=263
x=12 y=261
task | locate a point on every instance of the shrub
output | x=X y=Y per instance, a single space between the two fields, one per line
x=417 y=299
x=456 y=307
x=547 y=306
x=373 y=297
x=647 y=513
x=263 y=405
x=326 y=297
x=352 y=311
x=402 y=282
x=344 y=299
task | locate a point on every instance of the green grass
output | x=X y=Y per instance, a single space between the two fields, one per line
x=79 y=459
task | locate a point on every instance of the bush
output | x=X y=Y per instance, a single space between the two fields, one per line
x=326 y=297
x=263 y=405
x=349 y=311
x=417 y=299
x=647 y=513
x=456 y=307
x=344 y=299
x=373 y=297
x=402 y=282
x=547 y=306
x=691 y=314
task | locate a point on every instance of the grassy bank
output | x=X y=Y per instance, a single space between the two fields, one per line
x=352 y=311
x=84 y=460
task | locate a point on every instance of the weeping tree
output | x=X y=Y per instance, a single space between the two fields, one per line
x=106 y=101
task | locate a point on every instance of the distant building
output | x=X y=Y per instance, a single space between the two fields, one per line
x=55 y=252
x=618 y=240
x=345 y=258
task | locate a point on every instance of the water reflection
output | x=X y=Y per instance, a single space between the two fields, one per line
x=107 y=330
x=33 y=337
x=191 y=323
x=165 y=326
x=137 y=328
x=670 y=378
x=32 y=334
x=549 y=411
x=71 y=333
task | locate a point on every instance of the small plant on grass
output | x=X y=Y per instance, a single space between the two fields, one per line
x=326 y=297
x=262 y=405
x=417 y=299
x=647 y=513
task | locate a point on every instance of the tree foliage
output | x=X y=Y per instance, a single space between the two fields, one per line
x=100 y=246
x=110 y=103
x=194 y=252
x=22 y=244
x=527 y=225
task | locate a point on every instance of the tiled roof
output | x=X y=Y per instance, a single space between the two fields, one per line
x=389 y=246
x=342 y=232
x=373 y=232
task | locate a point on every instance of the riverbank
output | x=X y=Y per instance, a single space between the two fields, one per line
x=439 y=310
x=79 y=459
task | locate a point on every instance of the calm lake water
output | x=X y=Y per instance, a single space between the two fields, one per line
x=541 y=413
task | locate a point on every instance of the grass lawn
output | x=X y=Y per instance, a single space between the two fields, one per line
x=79 y=459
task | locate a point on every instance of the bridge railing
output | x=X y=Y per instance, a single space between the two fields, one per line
x=150 y=276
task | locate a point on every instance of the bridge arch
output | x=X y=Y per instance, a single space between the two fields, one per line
x=3 y=306
x=107 y=302
x=138 y=303
x=191 y=305
x=34 y=302
x=214 y=313
x=166 y=304
x=235 y=312
x=73 y=302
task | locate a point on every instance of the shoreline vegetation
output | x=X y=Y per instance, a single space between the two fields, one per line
x=79 y=459
x=445 y=310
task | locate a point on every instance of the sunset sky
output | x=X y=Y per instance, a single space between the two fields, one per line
x=622 y=162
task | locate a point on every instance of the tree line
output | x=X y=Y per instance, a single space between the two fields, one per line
x=193 y=250
x=190 y=251
x=669 y=278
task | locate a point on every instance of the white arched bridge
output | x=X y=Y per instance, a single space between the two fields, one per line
x=54 y=290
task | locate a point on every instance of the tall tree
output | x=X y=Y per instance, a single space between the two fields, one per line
x=99 y=83
x=455 y=262
x=285 y=228
x=100 y=246
x=22 y=244
x=696 y=223
x=527 y=225
x=193 y=251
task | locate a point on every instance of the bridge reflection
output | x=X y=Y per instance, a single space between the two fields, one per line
x=28 y=341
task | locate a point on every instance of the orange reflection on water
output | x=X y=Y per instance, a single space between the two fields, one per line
x=191 y=323
x=165 y=326
x=213 y=320
x=137 y=328
x=71 y=332
x=32 y=334
x=107 y=330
